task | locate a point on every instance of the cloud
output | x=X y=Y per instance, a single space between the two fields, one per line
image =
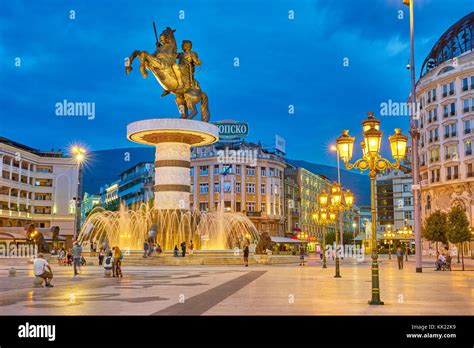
x=396 y=46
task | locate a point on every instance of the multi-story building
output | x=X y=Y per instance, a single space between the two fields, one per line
x=136 y=184
x=292 y=201
x=109 y=198
x=394 y=199
x=310 y=186
x=89 y=201
x=36 y=187
x=445 y=93
x=243 y=177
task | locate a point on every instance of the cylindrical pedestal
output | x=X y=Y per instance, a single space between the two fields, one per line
x=172 y=180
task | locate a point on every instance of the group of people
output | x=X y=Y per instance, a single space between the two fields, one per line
x=183 y=249
x=149 y=248
x=110 y=259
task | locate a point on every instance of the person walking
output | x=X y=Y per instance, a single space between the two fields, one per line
x=246 y=256
x=118 y=256
x=76 y=255
x=183 y=249
x=101 y=257
x=43 y=270
x=191 y=248
x=175 y=251
x=400 y=257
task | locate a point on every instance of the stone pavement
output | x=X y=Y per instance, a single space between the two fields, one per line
x=236 y=290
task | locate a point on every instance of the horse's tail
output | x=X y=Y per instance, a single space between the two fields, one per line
x=205 y=113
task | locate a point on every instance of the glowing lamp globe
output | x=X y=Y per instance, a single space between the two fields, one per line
x=345 y=145
x=398 y=144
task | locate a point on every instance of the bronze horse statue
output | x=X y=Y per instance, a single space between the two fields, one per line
x=175 y=78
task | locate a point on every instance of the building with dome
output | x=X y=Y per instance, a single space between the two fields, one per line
x=445 y=93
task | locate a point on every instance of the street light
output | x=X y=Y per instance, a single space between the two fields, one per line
x=332 y=204
x=323 y=218
x=374 y=162
x=406 y=232
x=79 y=155
x=388 y=236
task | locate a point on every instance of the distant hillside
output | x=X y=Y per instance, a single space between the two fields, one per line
x=105 y=166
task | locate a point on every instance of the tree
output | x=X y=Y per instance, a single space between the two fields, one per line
x=436 y=228
x=458 y=228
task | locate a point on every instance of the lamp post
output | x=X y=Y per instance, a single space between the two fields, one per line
x=335 y=202
x=334 y=149
x=79 y=154
x=415 y=136
x=372 y=160
x=323 y=219
x=389 y=235
x=406 y=233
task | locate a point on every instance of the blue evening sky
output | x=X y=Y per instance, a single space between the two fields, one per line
x=283 y=62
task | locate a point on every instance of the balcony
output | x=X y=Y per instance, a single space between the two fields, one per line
x=434 y=98
x=445 y=94
x=445 y=114
x=464 y=88
x=254 y=213
x=452 y=113
x=451 y=92
x=467 y=131
x=468 y=153
x=470 y=174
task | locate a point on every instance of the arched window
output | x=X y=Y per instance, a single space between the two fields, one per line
x=428 y=202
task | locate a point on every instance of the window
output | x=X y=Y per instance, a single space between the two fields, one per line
x=250 y=188
x=203 y=188
x=408 y=215
x=263 y=171
x=227 y=169
x=445 y=111
x=434 y=94
x=203 y=170
x=465 y=105
x=451 y=88
x=262 y=188
x=451 y=152
x=272 y=172
x=464 y=84
x=452 y=172
x=250 y=171
x=264 y=207
x=406 y=188
x=445 y=90
x=429 y=97
x=191 y=171
x=467 y=126
x=250 y=206
x=472 y=82
x=227 y=186
x=237 y=169
x=217 y=187
x=469 y=172
x=203 y=206
x=468 y=147
x=453 y=109
x=216 y=169
x=192 y=188
x=237 y=187
x=407 y=201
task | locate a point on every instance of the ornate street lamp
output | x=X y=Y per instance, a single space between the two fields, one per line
x=388 y=236
x=332 y=204
x=79 y=155
x=374 y=162
x=323 y=218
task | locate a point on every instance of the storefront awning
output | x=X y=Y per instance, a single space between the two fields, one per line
x=287 y=240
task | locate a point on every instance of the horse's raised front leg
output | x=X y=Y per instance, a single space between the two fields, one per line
x=128 y=67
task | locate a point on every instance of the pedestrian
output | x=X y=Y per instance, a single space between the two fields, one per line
x=176 y=250
x=101 y=257
x=191 y=248
x=61 y=256
x=302 y=251
x=118 y=256
x=104 y=246
x=146 y=247
x=183 y=249
x=43 y=270
x=400 y=257
x=246 y=256
x=76 y=254
x=109 y=262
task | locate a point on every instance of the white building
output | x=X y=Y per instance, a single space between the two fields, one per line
x=36 y=187
x=445 y=93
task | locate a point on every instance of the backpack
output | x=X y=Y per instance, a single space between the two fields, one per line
x=108 y=262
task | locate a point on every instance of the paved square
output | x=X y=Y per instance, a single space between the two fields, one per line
x=236 y=290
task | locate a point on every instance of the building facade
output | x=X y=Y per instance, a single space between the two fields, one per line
x=292 y=201
x=135 y=185
x=36 y=187
x=89 y=202
x=109 y=198
x=445 y=93
x=243 y=177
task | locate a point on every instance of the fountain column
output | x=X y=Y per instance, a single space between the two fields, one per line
x=172 y=139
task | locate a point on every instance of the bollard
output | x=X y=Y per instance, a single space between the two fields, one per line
x=107 y=273
x=12 y=272
x=38 y=282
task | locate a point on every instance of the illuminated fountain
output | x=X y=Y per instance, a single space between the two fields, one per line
x=170 y=221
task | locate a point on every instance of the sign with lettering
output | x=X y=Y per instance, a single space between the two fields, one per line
x=232 y=129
